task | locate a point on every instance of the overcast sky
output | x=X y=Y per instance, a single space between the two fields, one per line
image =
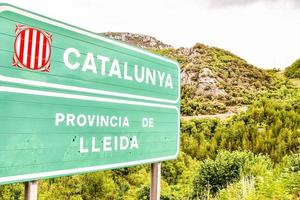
x=264 y=32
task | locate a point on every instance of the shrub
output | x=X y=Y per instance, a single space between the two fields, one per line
x=293 y=71
x=281 y=182
x=216 y=174
x=289 y=163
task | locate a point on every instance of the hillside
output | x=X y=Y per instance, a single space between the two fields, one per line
x=213 y=80
x=293 y=71
x=139 y=40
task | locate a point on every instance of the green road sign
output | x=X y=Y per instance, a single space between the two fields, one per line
x=73 y=101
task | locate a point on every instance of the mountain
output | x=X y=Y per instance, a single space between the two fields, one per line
x=139 y=40
x=213 y=80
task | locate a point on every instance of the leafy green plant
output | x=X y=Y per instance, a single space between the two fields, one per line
x=214 y=175
x=293 y=71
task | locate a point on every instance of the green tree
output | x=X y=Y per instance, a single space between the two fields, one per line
x=293 y=71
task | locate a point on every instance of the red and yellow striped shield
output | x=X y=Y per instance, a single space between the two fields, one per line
x=32 y=49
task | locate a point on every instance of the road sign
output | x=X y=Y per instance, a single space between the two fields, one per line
x=73 y=101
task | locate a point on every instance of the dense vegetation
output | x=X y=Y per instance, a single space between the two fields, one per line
x=293 y=71
x=244 y=175
x=270 y=126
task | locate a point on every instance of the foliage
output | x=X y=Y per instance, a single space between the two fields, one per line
x=218 y=173
x=275 y=183
x=293 y=71
x=12 y=192
x=270 y=126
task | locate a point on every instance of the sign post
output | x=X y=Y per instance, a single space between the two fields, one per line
x=73 y=101
x=31 y=190
x=155 y=181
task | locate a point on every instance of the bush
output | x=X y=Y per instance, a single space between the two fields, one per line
x=244 y=189
x=12 y=192
x=290 y=163
x=293 y=71
x=281 y=182
x=216 y=174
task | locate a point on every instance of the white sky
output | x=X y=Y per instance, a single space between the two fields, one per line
x=264 y=32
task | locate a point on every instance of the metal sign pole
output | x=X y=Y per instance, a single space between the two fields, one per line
x=31 y=189
x=155 y=181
